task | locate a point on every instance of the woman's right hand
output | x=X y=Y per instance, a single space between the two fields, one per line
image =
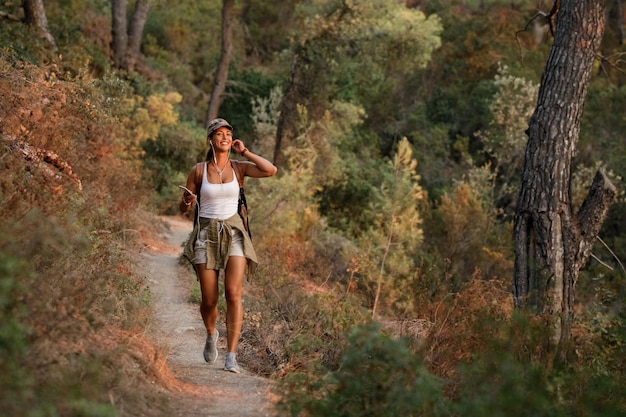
x=187 y=201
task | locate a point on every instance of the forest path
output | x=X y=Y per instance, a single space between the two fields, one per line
x=200 y=389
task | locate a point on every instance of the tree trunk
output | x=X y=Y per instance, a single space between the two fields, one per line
x=126 y=43
x=135 y=33
x=381 y=272
x=619 y=21
x=552 y=244
x=305 y=90
x=286 y=129
x=35 y=15
x=221 y=76
x=119 y=28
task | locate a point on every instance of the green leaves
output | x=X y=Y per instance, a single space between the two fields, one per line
x=387 y=247
x=379 y=376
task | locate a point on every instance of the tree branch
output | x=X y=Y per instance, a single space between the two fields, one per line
x=38 y=155
x=594 y=210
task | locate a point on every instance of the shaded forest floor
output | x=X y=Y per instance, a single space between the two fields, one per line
x=198 y=389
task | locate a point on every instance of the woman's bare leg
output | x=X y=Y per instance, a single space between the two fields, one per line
x=233 y=288
x=210 y=294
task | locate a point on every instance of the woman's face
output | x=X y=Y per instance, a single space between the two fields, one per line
x=222 y=138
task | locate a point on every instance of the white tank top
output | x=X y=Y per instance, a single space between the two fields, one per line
x=218 y=201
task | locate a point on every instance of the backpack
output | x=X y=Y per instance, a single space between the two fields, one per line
x=242 y=205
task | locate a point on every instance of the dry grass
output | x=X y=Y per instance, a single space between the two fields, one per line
x=71 y=219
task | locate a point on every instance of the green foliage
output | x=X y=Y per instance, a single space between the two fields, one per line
x=504 y=138
x=182 y=43
x=16 y=383
x=243 y=86
x=345 y=202
x=168 y=159
x=359 y=52
x=265 y=116
x=336 y=221
x=268 y=28
x=386 y=249
x=313 y=163
x=503 y=386
x=466 y=237
x=456 y=89
x=379 y=376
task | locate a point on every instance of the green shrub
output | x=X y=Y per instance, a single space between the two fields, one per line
x=500 y=385
x=15 y=382
x=378 y=376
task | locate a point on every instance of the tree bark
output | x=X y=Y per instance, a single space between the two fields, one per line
x=35 y=15
x=119 y=31
x=286 y=129
x=221 y=75
x=302 y=91
x=126 y=43
x=135 y=33
x=552 y=244
x=619 y=21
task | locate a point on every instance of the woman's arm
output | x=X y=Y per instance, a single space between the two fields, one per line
x=256 y=166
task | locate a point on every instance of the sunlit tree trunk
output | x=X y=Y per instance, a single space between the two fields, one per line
x=552 y=242
x=126 y=43
x=221 y=75
x=35 y=15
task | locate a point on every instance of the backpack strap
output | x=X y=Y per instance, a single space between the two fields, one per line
x=238 y=171
x=242 y=205
x=199 y=175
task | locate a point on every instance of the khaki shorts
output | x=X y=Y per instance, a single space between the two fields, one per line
x=236 y=246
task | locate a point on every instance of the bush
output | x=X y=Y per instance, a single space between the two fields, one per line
x=69 y=216
x=378 y=376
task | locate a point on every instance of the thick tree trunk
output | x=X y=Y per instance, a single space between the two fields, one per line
x=135 y=33
x=552 y=244
x=221 y=76
x=120 y=35
x=35 y=15
x=126 y=43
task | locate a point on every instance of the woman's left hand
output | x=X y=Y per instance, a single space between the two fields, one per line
x=238 y=146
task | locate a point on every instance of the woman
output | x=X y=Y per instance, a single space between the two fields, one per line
x=219 y=240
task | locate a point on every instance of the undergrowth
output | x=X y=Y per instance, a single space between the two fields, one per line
x=71 y=308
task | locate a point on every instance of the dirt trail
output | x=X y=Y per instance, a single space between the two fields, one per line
x=204 y=389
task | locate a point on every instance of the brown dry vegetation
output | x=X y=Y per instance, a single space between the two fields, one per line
x=70 y=223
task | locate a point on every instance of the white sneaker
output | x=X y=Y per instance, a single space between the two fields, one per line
x=210 y=347
x=231 y=363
